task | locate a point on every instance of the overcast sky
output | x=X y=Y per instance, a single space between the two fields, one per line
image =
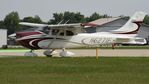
x=45 y=8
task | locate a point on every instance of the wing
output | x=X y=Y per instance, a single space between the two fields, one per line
x=75 y=25
x=33 y=24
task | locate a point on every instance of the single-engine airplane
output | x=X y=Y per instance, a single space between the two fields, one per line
x=61 y=36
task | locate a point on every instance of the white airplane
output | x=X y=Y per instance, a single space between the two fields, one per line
x=61 y=36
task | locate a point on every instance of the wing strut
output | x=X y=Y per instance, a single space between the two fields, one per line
x=53 y=39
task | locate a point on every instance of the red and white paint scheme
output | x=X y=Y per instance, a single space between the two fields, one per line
x=63 y=36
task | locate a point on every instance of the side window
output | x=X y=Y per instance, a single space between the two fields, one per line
x=55 y=31
x=69 y=33
x=62 y=33
x=46 y=30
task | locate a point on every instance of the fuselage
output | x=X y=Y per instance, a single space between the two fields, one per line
x=39 y=40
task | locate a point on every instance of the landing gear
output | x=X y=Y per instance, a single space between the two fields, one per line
x=65 y=53
x=49 y=53
x=30 y=53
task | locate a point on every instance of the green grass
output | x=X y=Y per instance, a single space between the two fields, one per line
x=118 y=47
x=30 y=70
x=15 y=50
x=91 y=47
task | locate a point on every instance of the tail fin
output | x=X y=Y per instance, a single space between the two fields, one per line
x=133 y=24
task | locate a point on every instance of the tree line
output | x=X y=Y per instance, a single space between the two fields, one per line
x=11 y=21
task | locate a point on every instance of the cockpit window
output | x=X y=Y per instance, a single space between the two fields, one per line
x=45 y=30
x=55 y=31
x=69 y=33
x=62 y=33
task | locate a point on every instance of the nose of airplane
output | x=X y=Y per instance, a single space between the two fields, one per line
x=22 y=34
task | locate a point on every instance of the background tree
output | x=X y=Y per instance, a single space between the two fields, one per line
x=30 y=19
x=79 y=17
x=2 y=26
x=57 y=17
x=11 y=22
x=146 y=19
x=67 y=17
x=35 y=19
x=96 y=16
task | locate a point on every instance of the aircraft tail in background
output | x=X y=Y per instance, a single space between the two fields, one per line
x=132 y=25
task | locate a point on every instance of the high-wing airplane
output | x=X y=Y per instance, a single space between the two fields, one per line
x=61 y=36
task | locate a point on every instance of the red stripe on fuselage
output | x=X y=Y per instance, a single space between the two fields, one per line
x=22 y=34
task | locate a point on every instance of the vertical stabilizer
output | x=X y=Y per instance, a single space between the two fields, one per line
x=133 y=24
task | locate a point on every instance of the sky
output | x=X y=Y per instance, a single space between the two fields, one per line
x=46 y=8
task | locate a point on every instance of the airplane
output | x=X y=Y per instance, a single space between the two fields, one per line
x=62 y=36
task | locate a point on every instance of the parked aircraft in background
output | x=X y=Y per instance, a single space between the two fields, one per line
x=61 y=36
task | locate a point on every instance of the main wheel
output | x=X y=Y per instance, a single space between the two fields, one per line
x=47 y=53
x=30 y=54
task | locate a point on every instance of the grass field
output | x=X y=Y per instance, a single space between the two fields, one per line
x=35 y=70
x=91 y=47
